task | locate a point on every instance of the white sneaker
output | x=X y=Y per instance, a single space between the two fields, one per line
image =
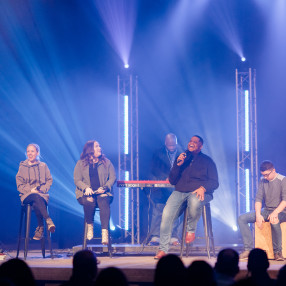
x=89 y=234
x=104 y=233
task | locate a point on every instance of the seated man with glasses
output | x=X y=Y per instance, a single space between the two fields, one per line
x=271 y=191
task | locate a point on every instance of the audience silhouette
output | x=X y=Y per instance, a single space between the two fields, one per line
x=111 y=276
x=200 y=273
x=281 y=278
x=84 y=269
x=257 y=265
x=16 y=272
x=170 y=270
x=226 y=267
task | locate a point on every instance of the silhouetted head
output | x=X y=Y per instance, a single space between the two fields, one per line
x=257 y=261
x=84 y=265
x=281 y=278
x=111 y=276
x=170 y=270
x=227 y=262
x=200 y=273
x=18 y=272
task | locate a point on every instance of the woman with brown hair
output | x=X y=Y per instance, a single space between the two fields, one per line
x=94 y=176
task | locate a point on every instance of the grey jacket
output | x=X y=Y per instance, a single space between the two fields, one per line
x=33 y=176
x=106 y=174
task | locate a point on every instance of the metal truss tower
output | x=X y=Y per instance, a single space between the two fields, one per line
x=128 y=156
x=247 y=162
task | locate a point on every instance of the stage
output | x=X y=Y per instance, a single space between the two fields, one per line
x=138 y=266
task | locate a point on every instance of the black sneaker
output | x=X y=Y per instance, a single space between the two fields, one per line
x=278 y=256
x=39 y=233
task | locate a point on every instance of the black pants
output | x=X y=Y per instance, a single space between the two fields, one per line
x=103 y=203
x=40 y=207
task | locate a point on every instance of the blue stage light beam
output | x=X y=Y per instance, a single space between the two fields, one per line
x=119 y=18
x=224 y=20
x=183 y=20
x=41 y=103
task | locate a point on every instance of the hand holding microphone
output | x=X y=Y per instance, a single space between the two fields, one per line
x=181 y=159
x=100 y=190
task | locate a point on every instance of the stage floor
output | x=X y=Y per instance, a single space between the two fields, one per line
x=138 y=267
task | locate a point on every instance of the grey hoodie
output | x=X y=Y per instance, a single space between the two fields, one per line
x=31 y=176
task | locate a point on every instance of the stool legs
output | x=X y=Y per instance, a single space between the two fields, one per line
x=109 y=246
x=206 y=231
x=27 y=230
x=210 y=228
x=49 y=242
x=207 y=221
x=20 y=230
x=26 y=211
x=206 y=215
x=84 y=235
x=84 y=244
x=184 y=234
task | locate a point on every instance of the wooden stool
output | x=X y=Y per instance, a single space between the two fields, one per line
x=26 y=212
x=207 y=222
x=84 y=244
x=263 y=239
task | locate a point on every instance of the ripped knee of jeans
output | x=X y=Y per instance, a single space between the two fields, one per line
x=90 y=199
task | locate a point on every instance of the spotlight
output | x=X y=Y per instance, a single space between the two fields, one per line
x=117 y=234
x=234 y=228
x=126 y=66
x=243 y=59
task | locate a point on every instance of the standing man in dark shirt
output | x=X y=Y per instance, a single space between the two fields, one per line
x=195 y=178
x=162 y=162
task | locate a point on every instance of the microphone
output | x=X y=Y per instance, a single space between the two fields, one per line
x=187 y=156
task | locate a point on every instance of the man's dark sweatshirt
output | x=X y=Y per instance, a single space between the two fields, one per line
x=197 y=170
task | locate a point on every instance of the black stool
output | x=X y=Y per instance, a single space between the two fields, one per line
x=84 y=244
x=207 y=222
x=26 y=211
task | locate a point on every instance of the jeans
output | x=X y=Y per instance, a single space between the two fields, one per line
x=156 y=221
x=174 y=208
x=245 y=219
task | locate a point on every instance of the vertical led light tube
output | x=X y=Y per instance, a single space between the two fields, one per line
x=126 y=124
x=246 y=119
x=126 y=203
x=247 y=190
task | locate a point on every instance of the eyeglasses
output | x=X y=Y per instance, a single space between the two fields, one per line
x=267 y=175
